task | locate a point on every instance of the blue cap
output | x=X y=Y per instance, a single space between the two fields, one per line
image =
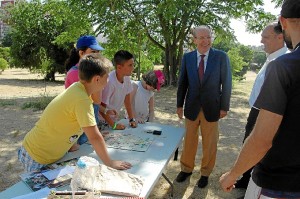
x=88 y=42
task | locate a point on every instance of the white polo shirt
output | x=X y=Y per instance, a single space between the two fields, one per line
x=261 y=75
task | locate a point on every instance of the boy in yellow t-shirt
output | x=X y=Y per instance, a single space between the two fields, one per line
x=61 y=122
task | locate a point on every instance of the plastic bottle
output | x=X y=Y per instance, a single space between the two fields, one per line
x=85 y=175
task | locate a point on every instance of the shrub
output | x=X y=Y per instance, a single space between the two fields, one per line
x=3 y=65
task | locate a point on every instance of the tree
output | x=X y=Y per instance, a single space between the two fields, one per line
x=238 y=52
x=144 y=51
x=166 y=23
x=237 y=63
x=259 y=58
x=3 y=65
x=6 y=40
x=45 y=30
x=5 y=53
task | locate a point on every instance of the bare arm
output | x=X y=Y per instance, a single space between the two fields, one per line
x=255 y=148
x=127 y=103
x=103 y=109
x=151 y=109
x=99 y=146
x=132 y=98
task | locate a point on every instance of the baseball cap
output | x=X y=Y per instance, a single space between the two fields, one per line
x=88 y=41
x=290 y=9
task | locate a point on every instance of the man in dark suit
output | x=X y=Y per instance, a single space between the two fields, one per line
x=204 y=88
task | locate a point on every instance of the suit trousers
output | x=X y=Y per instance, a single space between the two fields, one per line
x=210 y=137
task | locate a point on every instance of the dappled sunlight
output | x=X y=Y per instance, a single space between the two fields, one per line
x=16 y=122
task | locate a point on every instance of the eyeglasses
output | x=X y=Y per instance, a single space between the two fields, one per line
x=204 y=38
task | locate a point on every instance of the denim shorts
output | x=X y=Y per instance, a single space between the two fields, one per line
x=28 y=163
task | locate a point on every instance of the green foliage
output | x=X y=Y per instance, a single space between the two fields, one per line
x=3 y=64
x=259 y=58
x=259 y=21
x=145 y=53
x=240 y=56
x=43 y=32
x=237 y=63
x=166 y=24
x=6 y=40
x=278 y=3
x=38 y=104
x=246 y=52
x=5 y=53
x=7 y=102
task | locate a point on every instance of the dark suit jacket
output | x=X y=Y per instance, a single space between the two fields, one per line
x=213 y=94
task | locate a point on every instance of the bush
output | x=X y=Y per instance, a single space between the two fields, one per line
x=3 y=64
x=39 y=104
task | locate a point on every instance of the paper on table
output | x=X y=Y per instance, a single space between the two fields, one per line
x=42 y=193
x=61 y=171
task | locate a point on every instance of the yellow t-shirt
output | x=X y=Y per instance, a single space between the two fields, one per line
x=59 y=126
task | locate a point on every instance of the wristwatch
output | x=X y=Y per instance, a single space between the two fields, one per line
x=132 y=120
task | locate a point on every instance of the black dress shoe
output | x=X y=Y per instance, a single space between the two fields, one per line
x=203 y=181
x=182 y=176
x=242 y=183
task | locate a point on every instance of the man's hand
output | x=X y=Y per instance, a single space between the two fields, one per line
x=120 y=165
x=227 y=182
x=223 y=113
x=180 y=112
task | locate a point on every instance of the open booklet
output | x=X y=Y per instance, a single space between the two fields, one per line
x=52 y=176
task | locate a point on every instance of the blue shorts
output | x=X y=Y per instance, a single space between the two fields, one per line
x=28 y=163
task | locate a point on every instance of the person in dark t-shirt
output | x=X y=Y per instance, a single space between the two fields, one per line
x=273 y=145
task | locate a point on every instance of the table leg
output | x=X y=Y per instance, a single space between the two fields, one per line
x=176 y=154
x=171 y=184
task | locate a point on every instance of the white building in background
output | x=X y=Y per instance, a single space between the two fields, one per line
x=4 y=14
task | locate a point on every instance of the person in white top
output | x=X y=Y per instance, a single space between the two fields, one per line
x=117 y=91
x=273 y=41
x=142 y=96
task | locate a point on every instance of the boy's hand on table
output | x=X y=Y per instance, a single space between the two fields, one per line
x=132 y=123
x=120 y=126
x=140 y=120
x=120 y=165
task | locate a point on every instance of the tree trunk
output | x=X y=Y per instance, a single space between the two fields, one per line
x=167 y=65
x=173 y=56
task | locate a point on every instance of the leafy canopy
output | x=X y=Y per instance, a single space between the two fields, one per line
x=166 y=23
x=43 y=32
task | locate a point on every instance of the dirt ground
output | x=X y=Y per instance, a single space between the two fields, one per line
x=18 y=86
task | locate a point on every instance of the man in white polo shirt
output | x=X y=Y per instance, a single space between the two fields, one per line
x=273 y=41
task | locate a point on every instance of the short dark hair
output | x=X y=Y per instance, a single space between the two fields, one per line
x=93 y=64
x=121 y=56
x=277 y=27
x=290 y=9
